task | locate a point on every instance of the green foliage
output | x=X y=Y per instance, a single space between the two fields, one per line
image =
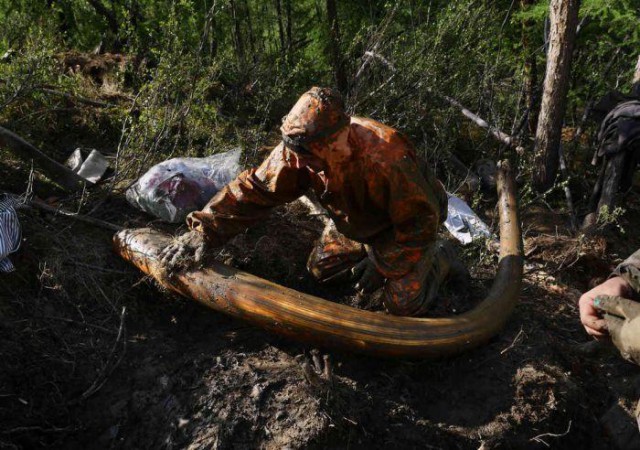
x=608 y=218
x=214 y=74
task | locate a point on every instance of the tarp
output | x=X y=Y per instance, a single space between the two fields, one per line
x=462 y=222
x=174 y=188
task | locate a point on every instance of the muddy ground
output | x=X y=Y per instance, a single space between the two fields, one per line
x=94 y=355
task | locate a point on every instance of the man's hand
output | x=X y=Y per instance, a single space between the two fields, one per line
x=366 y=276
x=590 y=317
x=185 y=251
x=623 y=322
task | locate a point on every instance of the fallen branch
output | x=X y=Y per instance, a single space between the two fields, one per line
x=494 y=131
x=514 y=143
x=76 y=98
x=55 y=171
x=74 y=216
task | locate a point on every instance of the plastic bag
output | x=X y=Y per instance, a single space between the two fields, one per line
x=462 y=222
x=10 y=234
x=174 y=188
x=92 y=168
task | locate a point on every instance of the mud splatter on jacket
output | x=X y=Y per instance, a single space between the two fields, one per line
x=383 y=195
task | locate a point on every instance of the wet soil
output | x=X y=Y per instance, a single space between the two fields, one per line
x=94 y=355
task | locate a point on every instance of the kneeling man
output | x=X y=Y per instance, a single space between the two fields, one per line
x=384 y=203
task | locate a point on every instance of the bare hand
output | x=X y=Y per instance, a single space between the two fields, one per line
x=184 y=252
x=623 y=322
x=366 y=276
x=590 y=317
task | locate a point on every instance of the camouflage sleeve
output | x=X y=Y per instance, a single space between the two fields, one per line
x=250 y=197
x=629 y=269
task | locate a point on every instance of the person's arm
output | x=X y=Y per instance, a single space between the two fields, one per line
x=414 y=206
x=250 y=197
x=623 y=282
x=240 y=204
x=629 y=270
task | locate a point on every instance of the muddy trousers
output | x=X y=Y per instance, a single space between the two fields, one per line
x=334 y=256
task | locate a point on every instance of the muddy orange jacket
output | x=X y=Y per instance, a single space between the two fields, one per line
x=383 y=195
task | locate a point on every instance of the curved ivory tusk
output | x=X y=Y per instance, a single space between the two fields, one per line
x=319 y=322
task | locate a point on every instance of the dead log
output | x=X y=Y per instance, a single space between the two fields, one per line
x=322 y=323
x=55 y=171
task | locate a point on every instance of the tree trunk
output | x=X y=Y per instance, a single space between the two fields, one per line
x=110 y=16
x=334 y=47
x=564 y=21
x=530 y=73
x=635 y=83
x=237 y=35
x=281 y=29
x=252 y=40
x=287 y=5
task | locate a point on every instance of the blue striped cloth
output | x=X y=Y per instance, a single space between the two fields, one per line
x=10 y=235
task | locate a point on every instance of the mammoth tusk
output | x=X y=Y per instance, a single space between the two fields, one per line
x=322 y=323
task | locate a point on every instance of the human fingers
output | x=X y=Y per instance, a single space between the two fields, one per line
x=180 y=256
x=616 y=305
x=199 y=253
x=591 y=318
x=365 y=284
x=167 y=253
x=358 y=270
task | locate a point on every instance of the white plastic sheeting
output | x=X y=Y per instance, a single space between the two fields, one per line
x=462 y=222
x=174 y=188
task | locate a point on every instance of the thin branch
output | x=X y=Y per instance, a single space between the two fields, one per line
x=55 y=171
x=494 y=131
x=108 y=368
x=539 y=437
x=78 y=217
x=77 y=98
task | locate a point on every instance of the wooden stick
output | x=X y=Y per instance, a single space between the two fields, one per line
x=78 y=217
x=55 y=171
x=498 y=134
x=78 y=99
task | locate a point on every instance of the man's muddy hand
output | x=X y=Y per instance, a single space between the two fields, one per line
x=366 y=276
x=184 y=251
x=591 y=318
x=623 y=322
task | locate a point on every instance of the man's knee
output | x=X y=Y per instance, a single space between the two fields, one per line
x=407 y=297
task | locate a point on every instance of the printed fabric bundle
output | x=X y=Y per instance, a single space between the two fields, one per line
x=10 y=235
